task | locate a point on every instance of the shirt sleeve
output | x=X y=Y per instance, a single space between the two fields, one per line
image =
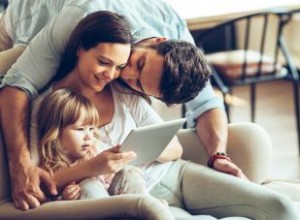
x=206 y=100
x=39 y=62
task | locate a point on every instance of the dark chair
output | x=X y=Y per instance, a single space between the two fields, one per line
x=255 y=52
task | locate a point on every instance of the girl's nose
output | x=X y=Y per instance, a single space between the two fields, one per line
x=88 y=135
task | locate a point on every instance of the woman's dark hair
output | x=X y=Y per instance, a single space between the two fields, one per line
x=98 y=27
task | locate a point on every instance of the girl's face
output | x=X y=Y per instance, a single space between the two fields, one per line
x=77 y=139
x=100 y=65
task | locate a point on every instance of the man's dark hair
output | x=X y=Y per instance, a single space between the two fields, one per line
x=185 y=73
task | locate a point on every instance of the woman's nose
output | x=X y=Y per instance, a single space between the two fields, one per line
x=111 y=74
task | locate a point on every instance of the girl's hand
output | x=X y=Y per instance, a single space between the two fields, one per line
x=112 y=160
x=71 y=192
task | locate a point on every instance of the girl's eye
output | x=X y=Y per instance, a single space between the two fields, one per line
x=91 y=128
x=80 y=129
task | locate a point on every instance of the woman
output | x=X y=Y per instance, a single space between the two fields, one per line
x=88 y=69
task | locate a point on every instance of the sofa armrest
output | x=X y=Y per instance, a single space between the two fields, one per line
x=248 y=145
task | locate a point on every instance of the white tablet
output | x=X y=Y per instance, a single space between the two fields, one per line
x=148 y=142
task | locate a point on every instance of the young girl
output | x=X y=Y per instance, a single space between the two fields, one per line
x=67 y=123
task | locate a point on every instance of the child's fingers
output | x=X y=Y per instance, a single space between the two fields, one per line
x=77 y=196
x=74 y=193
x=72 y=188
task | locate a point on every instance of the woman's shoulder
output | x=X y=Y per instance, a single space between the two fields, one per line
x=125 y=94
x=122 y=93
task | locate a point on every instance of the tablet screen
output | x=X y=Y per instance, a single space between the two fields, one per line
x=149 y=142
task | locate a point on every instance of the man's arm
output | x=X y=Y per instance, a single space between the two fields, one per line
x=207 y=111
x=212 y=129
x=25 y=178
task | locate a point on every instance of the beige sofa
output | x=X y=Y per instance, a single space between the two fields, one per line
x=249 y=146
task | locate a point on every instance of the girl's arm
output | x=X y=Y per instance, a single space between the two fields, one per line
x=107 y=162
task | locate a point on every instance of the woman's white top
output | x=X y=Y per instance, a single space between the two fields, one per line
x=130 y=111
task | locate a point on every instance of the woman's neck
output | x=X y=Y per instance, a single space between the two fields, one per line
x=103 y=100
x=74 y=83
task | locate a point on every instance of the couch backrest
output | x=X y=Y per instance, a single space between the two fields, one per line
x=4 y=174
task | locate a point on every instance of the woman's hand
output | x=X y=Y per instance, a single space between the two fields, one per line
x=71 y=192
x=112 y=160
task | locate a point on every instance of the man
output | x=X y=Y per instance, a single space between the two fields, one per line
x=39 y=62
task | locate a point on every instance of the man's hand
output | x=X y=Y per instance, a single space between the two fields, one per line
x=26 y=186
x=229 y=167
x=26 y=179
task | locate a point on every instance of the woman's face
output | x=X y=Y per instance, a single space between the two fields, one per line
x=100 y=65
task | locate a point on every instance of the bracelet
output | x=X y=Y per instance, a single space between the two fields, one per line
x=215 y=156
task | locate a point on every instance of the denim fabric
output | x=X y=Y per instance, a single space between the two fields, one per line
x=200 y=190
x=169 y=188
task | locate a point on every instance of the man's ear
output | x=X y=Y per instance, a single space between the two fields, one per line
x=153 y=40
x=159 y=39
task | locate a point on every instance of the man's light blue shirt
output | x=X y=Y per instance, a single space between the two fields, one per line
x=39 y=62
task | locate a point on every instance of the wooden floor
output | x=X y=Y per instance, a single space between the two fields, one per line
x=275 y=112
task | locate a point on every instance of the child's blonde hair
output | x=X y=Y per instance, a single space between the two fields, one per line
x=58 y=110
